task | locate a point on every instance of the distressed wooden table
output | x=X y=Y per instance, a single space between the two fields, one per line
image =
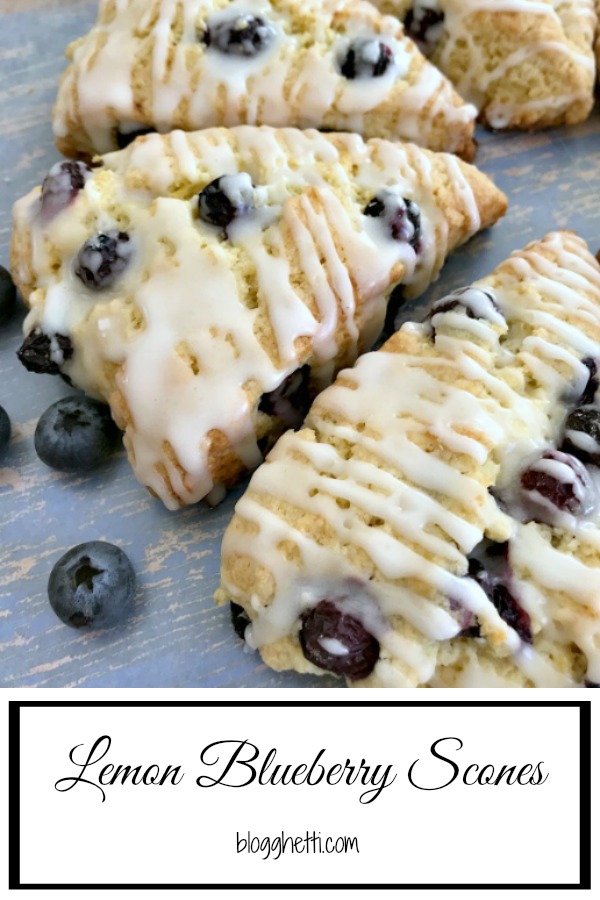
x=177 y=638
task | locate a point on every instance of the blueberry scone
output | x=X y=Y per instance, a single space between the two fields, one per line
x=338 y=65
x=208 y=284
x=436 y=522
x=523 y=63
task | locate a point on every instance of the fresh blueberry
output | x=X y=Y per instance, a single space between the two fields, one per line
x=239 y=619
x=337 y=642
x=556 y=481
x=125 y=138
x=582 y=434
x=366 y=58
x=469 y=626
x=424 y=25
x=44 y=354
x=62 y=184
x=401 y=217
x=75 y=434
x=92 y=586
x=103 y=258
x=240 y=35
x=474 y=302
x=4 y=429
x=290 y=402
x=8 y=295
x=492 y=578
x=591 y=387
x=225 y=199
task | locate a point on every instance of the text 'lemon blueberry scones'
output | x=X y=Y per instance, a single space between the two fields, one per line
x=207 y=284
x=333 y=64
x=523 y=63
x=436 y=523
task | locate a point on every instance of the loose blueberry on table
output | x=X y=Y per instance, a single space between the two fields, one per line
x=366 y=58
x=242 y=35
x=92 y=586
x=75 y=434
x=8 y=295
x=5 y=429
x=225 y=199
x=62 y=184
x=401 y=217
x=103 y=258
x=43 y=354
x=337 y=642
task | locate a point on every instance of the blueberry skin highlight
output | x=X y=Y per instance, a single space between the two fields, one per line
x=75 y=434
x=92 y=586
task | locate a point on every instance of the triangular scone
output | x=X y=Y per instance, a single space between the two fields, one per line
x=194 y=279
x=338 y=65
x=358 y=547
x=524 y=63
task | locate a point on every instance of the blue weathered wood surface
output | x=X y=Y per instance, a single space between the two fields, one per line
x=177 y=637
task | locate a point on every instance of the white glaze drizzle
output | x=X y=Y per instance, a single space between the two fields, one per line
x=404 y=517
x=182 y=287
x=293 y=81
x=571 y=24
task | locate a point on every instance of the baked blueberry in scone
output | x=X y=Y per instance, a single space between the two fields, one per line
x=436 y=523
x=338 y=65
x=523 y=63
x=207 y=285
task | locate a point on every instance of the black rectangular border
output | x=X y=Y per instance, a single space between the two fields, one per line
x=14 y=783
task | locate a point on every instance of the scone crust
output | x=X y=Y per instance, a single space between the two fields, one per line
x=306 y=285
x=524 y=64
x=405 y=466
x=144 y=65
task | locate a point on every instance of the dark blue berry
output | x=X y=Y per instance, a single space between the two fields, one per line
x=239 y=619
x=591 y=684
x=92 y=586
x=4 y=429
x=75 y=434
x=556 y=479
x=290 y=402
x=489 y=567
x=424 y=26
x=582 y=434
x=366 y=58
x=125 y=138
x=337 y=642
x=474 y=302
x=240 y=35
x=591 y=387
x=225 y=199
x=401 y=217
x=62 y=184
x=8 y=295
x=103 y=258
x=44 y=354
